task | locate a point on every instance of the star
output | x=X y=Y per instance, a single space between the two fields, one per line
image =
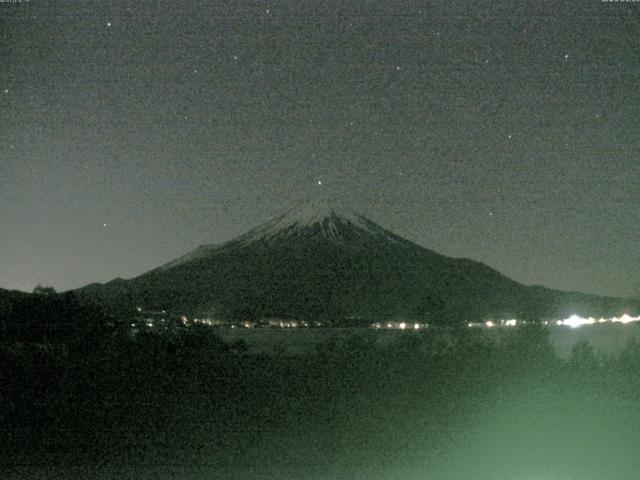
x=108 y=24
x=6 y=90
x=319 y=182
x=104 y=224
x=566 y=56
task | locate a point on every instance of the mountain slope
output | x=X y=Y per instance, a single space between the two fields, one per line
x=323 y=262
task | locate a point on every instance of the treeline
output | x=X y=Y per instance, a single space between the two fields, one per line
x=46 y=316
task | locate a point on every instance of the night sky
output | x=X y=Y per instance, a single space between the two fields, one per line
x=505 y=132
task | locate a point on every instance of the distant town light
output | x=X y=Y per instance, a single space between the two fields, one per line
x=626 y=319
x=575 y=321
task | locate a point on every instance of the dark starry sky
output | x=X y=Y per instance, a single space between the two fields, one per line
x=506 y=132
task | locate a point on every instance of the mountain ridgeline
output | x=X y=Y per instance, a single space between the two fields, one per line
x=319 y=262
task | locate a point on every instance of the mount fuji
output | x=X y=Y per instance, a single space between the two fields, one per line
x=322 y=261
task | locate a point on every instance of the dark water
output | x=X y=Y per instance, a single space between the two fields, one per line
x=608 y=338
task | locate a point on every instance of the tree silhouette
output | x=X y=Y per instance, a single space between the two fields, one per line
x=46 y=291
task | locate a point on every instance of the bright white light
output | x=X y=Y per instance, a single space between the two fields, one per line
x=403 y=325
x=489 y=324
x=575 y=321
x=511 y=323
x=625 y=319
x=416 y=326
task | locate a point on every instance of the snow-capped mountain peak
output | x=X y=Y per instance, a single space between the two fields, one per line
x=328 y=216
x=316 y=211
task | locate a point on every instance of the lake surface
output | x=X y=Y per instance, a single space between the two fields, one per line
x=609 y=338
